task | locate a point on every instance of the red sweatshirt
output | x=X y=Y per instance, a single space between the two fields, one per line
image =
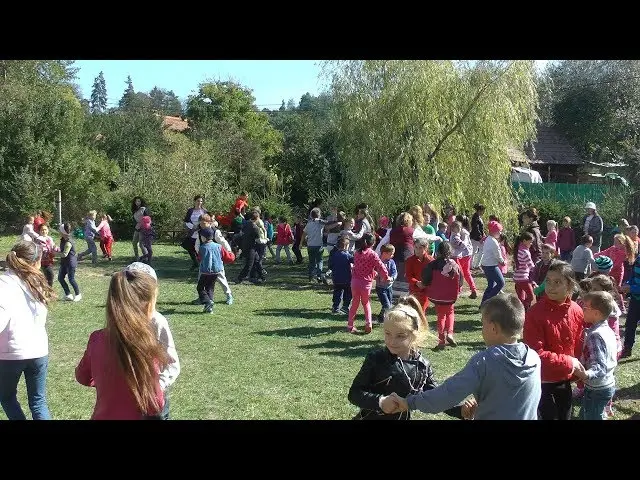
x=554 y=331
x=99 y=368
x=413 y=272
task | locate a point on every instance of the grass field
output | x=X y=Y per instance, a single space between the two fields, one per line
x=276 y=353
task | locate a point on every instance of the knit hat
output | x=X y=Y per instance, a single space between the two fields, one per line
x=604 y=264
x=141 y=267
x=383 y=222
x=146 y=221
x=207 y=233
x=494 y=227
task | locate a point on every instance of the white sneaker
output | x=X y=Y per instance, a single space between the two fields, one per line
x=78 y=298
x=68 y=298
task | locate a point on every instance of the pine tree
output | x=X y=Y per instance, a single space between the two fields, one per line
x=128 y=96
x=98 y=95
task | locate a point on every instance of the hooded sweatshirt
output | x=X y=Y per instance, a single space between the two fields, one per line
x=504 y=379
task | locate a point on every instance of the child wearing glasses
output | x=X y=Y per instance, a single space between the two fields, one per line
x=397 y=367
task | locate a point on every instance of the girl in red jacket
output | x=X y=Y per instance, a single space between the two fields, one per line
x=441 y=279
x=553 y=328
x=414 y=266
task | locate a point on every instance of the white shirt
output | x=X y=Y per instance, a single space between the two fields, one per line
x=22 y=321
x=491 y=254
x=171 y=372
x=195 y=218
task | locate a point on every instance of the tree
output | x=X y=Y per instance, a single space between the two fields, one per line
x=128 y=96
x=99 y=95
x=165 y=102
x=282 y=107
x=417 y=131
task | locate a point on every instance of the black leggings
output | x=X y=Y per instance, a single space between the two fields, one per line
x=555 y=401
x=48 y=274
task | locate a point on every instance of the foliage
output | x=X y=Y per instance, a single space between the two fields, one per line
x=405 y=127
x=99 y=95
x=165 y=102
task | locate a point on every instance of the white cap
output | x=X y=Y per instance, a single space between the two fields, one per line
x=590 y=205
x=142 y=267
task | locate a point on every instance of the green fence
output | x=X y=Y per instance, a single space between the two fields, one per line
x=563 y=192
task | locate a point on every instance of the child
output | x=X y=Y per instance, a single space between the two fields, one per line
x=552 y=234
x=106 y=238
x=365 y=264
x=284 y=238
x=522 y=266
x=383 y=228
x=598 y=356
x=414 y=265
x=206 y=221
x=463 y=252
x=340 y=262
x=146 y=239
x=553 y=328
x=49 y=250
x=620 y=252
x=397 y=367
x=90 y=232
x=566 y=240
x=123 y=361
x=28 y=232
x=632 y=287
x=441 y=280
x=505 y=251
x=631 y=232
x=384 y=290
x=504 y=378
x=212 y=259
x=160 y=326
x=442 y=231
x=68 y=264
x=314 y=231
x=268 y=226
x=491 y=260
x=582 y=258
x=347 y=231
x=539 y=273
x=298 y=230
x=604 y=283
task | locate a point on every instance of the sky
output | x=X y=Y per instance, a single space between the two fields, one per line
x=271 y=80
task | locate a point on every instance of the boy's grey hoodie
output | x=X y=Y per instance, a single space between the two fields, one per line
x=504 y=379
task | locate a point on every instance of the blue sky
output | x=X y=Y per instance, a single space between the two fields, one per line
x=271 y=80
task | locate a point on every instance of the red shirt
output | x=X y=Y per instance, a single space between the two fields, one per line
x=99 y=368
x=37 y=222
x=413 y=272
x=554 y=331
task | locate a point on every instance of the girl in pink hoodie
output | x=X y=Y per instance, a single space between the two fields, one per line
x=365 y=265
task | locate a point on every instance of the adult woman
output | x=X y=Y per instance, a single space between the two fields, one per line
x=24 y=345
x=477 y=234
x=191 y=220
x=139 y=210
x=592 y=225
x=530 y=224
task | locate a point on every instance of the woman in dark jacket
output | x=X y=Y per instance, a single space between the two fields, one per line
x=530 y=224
x=594 y=227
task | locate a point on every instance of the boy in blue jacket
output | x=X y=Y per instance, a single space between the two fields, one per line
x=212 y=259
x=632 y=287
x=340 y=261
x=385 y=290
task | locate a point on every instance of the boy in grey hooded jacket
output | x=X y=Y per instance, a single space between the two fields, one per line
x=504 y=378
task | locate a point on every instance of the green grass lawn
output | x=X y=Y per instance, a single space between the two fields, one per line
x=276 y=353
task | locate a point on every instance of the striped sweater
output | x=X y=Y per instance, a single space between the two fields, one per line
x=523 y=266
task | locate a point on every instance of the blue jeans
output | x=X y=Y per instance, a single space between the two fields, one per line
x=315 y=261
x=35 y=376
x=594 y=401
x=566 y=255
x=495 y=282
x=341 y=291
x=385 y=295
x=631 y=323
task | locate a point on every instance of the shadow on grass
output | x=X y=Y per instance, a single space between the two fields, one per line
x=344 y=348
x=472 y=346
x=307 y=313
x=460 y=326
x=628 y=393
x=301 y=332
x=467 y=309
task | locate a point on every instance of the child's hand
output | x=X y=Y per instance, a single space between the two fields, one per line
x=469 y=408
x=388 y=404
x=403 y=406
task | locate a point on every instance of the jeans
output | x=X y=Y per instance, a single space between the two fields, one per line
x=341 y=291
x=385 y=295
x=91 y=249
x=35 y=376
x=286 y=250
x=631 y=323
x=315 y=261
x=68 y=270
x=205 y=288
x=594 y=401
x=48 y=273
x=566 y=255
x=495 y=282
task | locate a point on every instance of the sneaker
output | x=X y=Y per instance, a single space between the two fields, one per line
x=197 y=301
x=336 y=312
x=78 y=297
x=229 y=300
x=451 y=341
x=344 y=311
x=352 y=330
x=68 y=298
x=368 y=328
x=208 y=308
x=626 y=353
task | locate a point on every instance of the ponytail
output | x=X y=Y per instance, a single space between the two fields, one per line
x=21 y=260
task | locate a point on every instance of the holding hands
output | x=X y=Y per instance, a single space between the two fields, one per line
x=393 y=404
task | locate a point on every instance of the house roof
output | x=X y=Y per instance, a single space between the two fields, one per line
x=551 y=148
x=176 y=124
x=516 y=155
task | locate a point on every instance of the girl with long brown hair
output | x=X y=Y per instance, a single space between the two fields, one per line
x=123 y=361
x=24 y=344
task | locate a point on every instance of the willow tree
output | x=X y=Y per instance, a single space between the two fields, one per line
x=418 y=131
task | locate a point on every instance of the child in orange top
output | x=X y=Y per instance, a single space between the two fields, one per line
x=553 y=328
x=414 y=265
x=365 y=265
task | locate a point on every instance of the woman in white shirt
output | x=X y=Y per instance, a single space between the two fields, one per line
x=24 y=345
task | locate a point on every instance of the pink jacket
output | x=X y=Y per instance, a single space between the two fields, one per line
x=365 y=265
